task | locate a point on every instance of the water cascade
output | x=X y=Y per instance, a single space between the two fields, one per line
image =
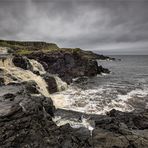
x=37 y=67
x=13 y=74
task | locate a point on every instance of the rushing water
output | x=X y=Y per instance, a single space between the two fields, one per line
x=13 y=74
x=125 y=89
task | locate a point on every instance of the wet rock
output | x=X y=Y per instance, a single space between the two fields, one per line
x=48 y=106
x=51 y=82
x=2 y=81
x=91 y=68
x=69 y=64
x=132 y=120
x=80 y=80
x=22 y=62
x=31 y=87
x=124 y=130
x=100 y=70
x=104 y=138
x=9 y=96
x=27 y=122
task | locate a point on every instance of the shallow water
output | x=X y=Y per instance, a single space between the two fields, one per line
x=125 y=89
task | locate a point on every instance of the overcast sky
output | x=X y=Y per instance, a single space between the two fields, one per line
x=107 y=26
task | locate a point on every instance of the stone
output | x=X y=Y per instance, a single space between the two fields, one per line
x=51 y=82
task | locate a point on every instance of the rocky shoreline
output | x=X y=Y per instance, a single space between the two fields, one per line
x=26 y=121
x=27 y=112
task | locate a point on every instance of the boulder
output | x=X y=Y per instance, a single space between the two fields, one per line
x=51 y=82
x=100 y=70
x=31 y=87
x=22 y=62
x=2 y=81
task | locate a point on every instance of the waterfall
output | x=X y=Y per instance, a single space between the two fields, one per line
x=3 y=50
x=17 y=74
x=21 y=75
x=37 y=67
x=61 y=85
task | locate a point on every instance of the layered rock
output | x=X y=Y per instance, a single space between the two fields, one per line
x=121 y=130
x=26 y=121
x=68 y=65
x=22 y=62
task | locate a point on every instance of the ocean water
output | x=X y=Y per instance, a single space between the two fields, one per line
x=124 y=89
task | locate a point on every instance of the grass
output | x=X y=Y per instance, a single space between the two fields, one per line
x=25 y=48
x=24 y=52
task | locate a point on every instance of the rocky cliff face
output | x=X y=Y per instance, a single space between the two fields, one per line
x=68 y=65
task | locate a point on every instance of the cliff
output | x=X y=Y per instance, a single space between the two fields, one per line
x=68 y=63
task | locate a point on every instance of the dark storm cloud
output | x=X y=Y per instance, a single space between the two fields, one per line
x=104 y=25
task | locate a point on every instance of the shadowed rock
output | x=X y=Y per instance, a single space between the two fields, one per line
x=26 y=122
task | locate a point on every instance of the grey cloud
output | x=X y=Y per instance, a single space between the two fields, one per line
x=88 y=24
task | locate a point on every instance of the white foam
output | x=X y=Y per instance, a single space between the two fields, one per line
x=99 y=100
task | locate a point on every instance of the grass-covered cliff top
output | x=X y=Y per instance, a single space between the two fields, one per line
x=28 y=47
x=24 y=47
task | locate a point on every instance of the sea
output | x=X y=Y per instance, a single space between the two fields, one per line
x=124 y=89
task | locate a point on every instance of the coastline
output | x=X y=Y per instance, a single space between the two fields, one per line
x=27 y=119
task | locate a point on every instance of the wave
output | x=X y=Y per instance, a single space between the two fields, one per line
x=101 y=100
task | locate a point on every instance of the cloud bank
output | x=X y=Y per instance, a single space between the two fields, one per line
x=108 y=26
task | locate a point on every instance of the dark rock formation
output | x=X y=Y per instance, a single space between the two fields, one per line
x=114 y=130
x=51 y=82
x=31 y=87
x=100 y=70
x=21 y=62
x=122 y=130
x=26 y=121
x=68 y=65
x=2 y=81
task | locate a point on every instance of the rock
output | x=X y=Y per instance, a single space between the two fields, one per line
x=51 y=82
x=91 y=68
x=27 y=122
x=22 y=62
x=124 y=130
x=80 y=80
x=100 y=70
x=2 y=81
x=9 y=96
x=48 y=106
x=31 y=87
x=132 y=120
x=104 y=138
x=69 y=64
x=82 y=133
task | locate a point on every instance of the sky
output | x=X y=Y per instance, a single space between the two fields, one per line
x=106 y=26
